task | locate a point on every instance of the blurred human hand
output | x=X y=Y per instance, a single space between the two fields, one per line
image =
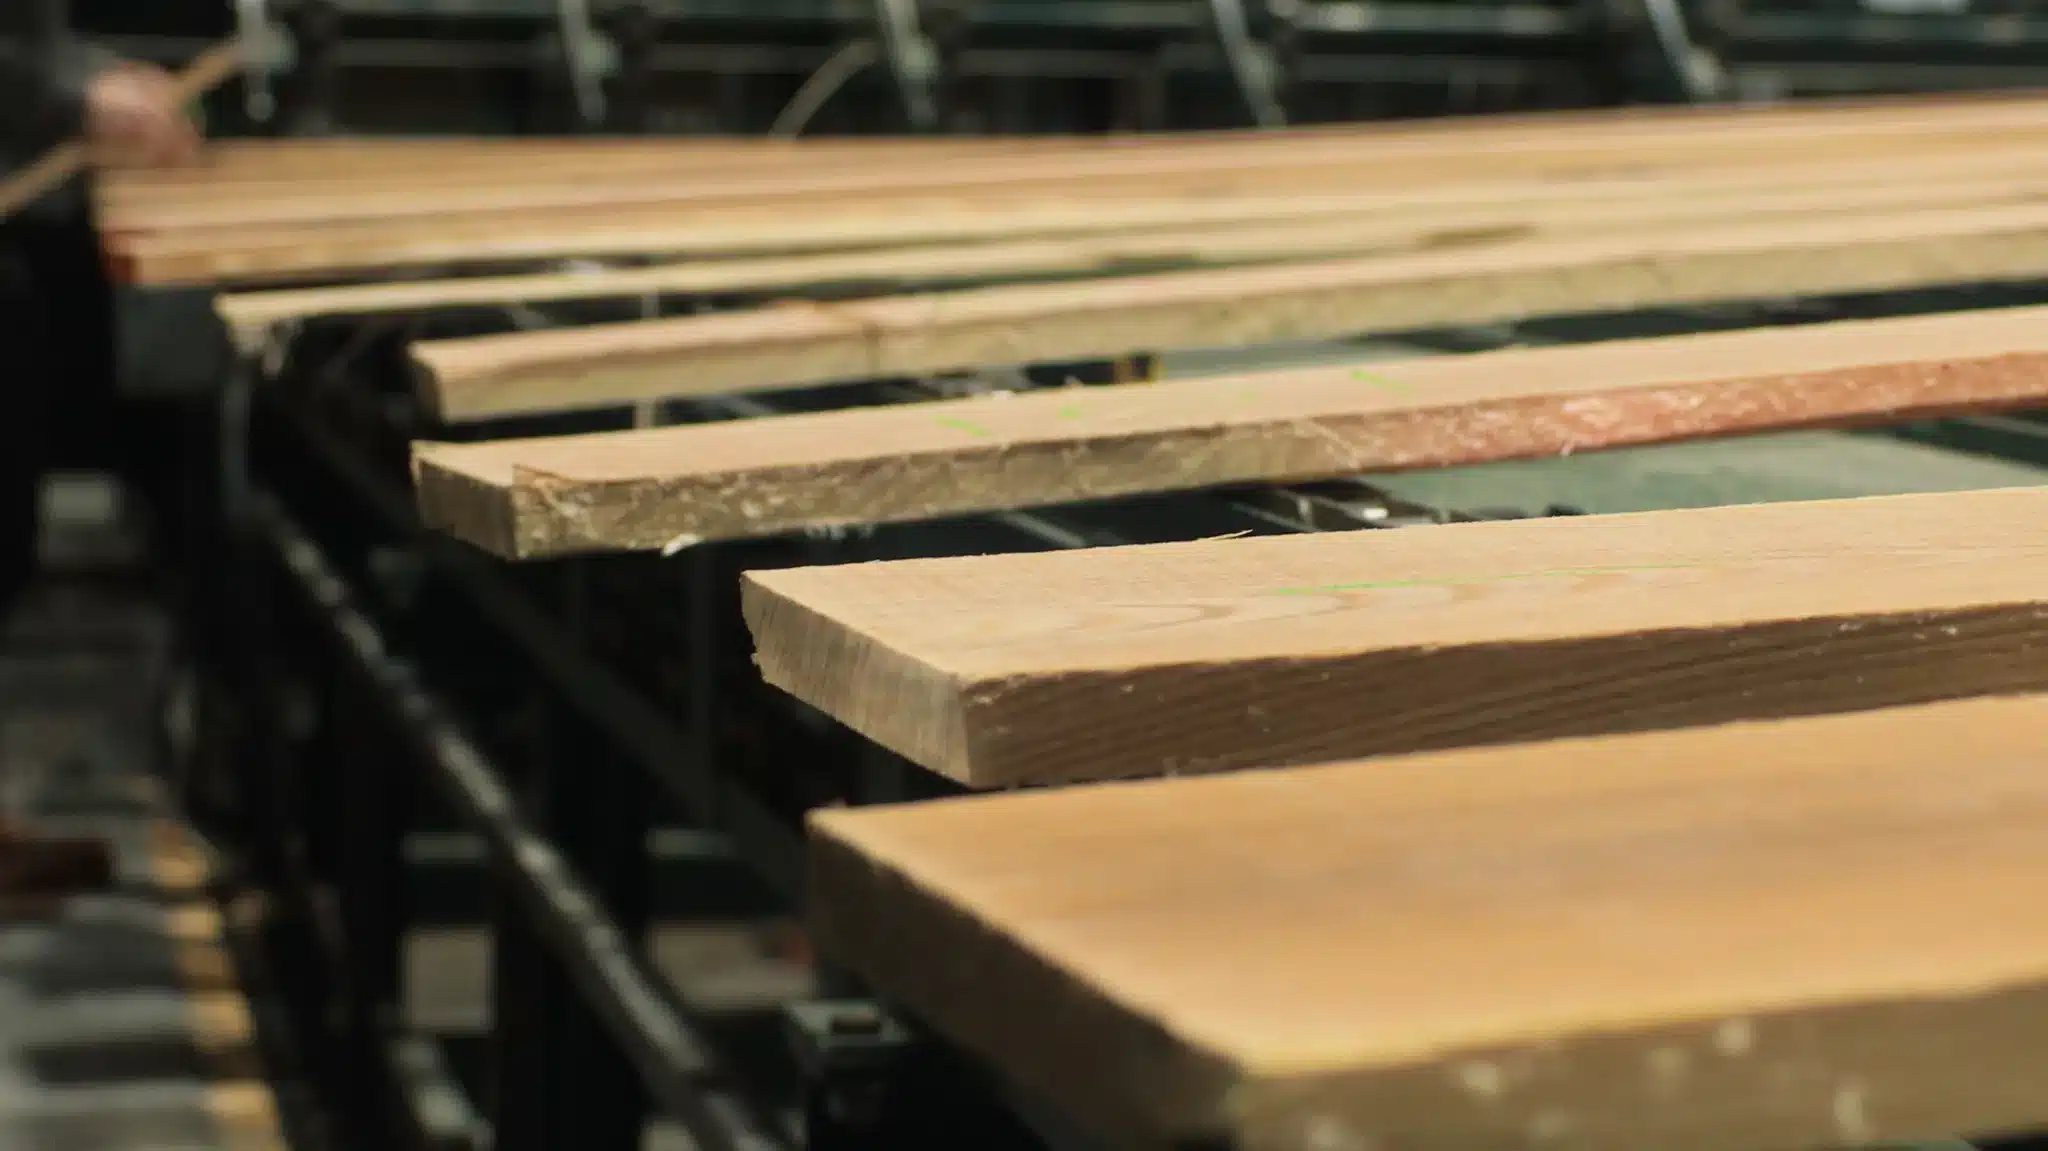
x=134 y=118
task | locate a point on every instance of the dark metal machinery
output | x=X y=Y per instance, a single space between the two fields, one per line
x=357 y=683
x=1064 y=65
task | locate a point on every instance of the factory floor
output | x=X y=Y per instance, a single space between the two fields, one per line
x=122 y=1025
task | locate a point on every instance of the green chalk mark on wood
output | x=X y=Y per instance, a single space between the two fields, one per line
x=1069 y=413
x=968 y=426
x=1467 y=581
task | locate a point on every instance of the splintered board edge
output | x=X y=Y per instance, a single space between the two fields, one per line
x=784 y=346
x=647 y=489
x=1797 y=933
x=1178 y=659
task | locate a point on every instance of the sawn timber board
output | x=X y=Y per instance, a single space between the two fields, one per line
x=1154 y=236
x=1810 y=932
x=653 y=488
x=1087 y=167
x=500 y=221
x=1483 y=281
x=1007 y=670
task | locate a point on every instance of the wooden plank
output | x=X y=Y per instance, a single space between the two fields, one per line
x=1417 y=155
x=1487 y=280
x=1804 y=933
x=756 y=229
x=1128 y=238
x=999 y=671
x=1124 y=240
x=655 y=488
x=439 y=233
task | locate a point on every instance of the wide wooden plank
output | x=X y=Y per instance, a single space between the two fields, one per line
x=1017 y=669
x=1482 y=280
x=1804 y=933
x=661 y=487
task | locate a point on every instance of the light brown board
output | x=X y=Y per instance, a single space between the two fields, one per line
x=1127 y=238
x=1174 y=659
x=649 y=489
x=1404 y=152
x=496 y=217
x=1808 y=933
x=1465 y=283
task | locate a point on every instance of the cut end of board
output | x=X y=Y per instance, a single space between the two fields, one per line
x=457 y=501
x=901 y=702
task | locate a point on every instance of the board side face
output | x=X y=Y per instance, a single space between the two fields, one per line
x=1745 y=934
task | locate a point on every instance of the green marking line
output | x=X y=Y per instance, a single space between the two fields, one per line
x=1461 y=581
x=968 y=426
x=1070 y=413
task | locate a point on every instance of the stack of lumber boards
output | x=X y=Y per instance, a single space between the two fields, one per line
x=1805 y=926
x=1586 y=915
x=1136 y=244
x=660 y=487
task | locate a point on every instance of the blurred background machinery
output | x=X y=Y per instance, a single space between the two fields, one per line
x=736 y=66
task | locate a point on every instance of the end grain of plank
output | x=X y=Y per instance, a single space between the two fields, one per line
x=1000 y=671
x=1801 y=933
x=642 y=490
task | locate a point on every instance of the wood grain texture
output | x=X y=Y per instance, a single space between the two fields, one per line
x=695 y=172
x=753 y=228
x=1136 y=237
x=1802 y=933
x=1482 y=281
x=1005 y=670
x=645 y=490
x=467 y=211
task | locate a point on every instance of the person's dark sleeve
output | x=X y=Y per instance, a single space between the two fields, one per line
x=42 y=93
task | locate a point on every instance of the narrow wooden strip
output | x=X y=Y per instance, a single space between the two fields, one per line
x=1478 y=282
x=655 y=488
x=1007 y=670
x=1211 y=233
x=1803 y=933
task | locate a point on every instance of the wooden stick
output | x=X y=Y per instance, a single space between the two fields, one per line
x=646 y=490
x=1109 y=662
x=1488 y=280
x=208 y=71
x=1805 y=933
